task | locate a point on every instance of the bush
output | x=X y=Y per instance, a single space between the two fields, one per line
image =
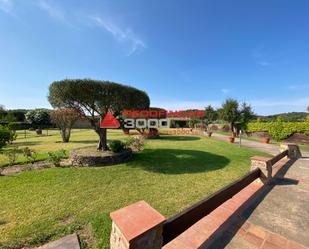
x=136 y=143
x=56 y=157
x=11 y=154
x=280 y=130
x=30 y=155
x=116 y=146
x=6 y=136
x=15 y=126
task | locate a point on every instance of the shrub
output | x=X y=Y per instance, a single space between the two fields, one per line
x=116 y=146
x=136 y=143
x=6 y=136
x=280 y=130
x=18 y=126
x=11 y=154
x=29 y=154
x=56 y=157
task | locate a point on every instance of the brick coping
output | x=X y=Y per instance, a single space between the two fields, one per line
x=205 y=229
x=136 y=219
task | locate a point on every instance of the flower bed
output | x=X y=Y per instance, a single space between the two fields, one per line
x=90 y=156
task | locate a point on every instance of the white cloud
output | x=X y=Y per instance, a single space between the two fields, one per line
x=259 y=56
x=298 y=87
x=125 y=36
x=263 y=63
x=51 y=10
x=260 y=106
x=183 y=105
x=7 y=6
x=225 y=90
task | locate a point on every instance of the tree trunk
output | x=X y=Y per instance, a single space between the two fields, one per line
x=102 y=145
x=65 y=134
x=232 y=128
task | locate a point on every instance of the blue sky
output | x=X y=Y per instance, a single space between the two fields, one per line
x=184 y=54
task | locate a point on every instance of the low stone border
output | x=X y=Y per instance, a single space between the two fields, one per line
x=90 y=156
x=15 y=169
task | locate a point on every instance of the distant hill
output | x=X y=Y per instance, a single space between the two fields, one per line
x=290 y=116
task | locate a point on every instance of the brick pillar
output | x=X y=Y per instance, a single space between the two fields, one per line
x=263 y=163
x=137 y=226
x=294 y=151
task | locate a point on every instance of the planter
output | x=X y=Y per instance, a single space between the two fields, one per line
x=266 y=140
x=209 y=134
x=231 y=139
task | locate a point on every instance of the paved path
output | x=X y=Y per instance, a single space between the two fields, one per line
x=274 y=216
x=268 y=148
x=280 y=219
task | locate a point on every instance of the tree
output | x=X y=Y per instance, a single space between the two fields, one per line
x=94 y=98
x=39 y=118
x=230 y=112
x=236 y=115
x=6 y=136
x=65 y=118
x=2 y=111
x=193 y=122
x=246 y=114
x=210 y=115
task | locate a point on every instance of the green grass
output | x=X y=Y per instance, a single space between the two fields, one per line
x=51 y=141
x=171 y=174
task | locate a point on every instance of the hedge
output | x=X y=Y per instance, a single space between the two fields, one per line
x=6 y=135
x=279 y=130
x=19 y=126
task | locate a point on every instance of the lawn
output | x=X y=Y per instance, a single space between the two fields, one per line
x=170 y=174
x=51 y=141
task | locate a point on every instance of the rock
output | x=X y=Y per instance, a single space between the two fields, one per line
x=67 y=242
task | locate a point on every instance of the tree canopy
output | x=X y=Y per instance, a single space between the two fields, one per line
x=210 y=115
x=93 y=98
x=236 y=114
x=39 y=118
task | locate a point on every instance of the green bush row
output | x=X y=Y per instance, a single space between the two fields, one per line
x=19 y=126
x=279 y=130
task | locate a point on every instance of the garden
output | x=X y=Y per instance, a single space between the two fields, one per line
x=170 y=172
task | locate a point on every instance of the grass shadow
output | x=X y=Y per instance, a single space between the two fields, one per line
x=26 y=143
x=94 y=141
x=178 y=138
x=2 y=222
x=172 y=161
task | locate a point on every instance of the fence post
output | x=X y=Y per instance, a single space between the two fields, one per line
x=294 y=151
x=264 y=164
x=137 y=226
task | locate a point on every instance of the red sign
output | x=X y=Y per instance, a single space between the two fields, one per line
x=109 y=121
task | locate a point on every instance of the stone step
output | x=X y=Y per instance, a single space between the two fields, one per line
x=67 y=242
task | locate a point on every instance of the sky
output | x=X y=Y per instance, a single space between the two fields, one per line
x=184 y=54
